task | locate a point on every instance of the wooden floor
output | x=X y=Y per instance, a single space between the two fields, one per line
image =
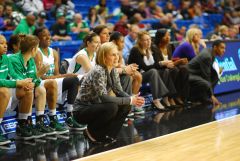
x=218 y=141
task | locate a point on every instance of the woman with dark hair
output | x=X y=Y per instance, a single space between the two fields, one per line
x=93 y=17
x=178 y=70
x=103 y=32
x=14 y=43
x=101 y=102
x=83 y=61
x=46 y=56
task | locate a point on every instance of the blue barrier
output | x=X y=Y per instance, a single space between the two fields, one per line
x=67 y=48
x=6 y=34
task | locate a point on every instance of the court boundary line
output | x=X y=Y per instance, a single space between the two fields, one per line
x=161 y=137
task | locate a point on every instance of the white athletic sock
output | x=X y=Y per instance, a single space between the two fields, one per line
x=52 y=112
x=23 y=116
x=69 y=107
x=1 y=120
x=39 y=113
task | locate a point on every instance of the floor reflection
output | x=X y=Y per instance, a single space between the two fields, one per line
x=153 y=125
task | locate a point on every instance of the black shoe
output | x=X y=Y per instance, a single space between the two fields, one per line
x=90 y=141
x=166 y=106
x=158 y=109
x=109 y=140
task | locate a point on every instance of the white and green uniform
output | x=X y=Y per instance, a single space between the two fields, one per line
x=50 y=60
x=74 y=67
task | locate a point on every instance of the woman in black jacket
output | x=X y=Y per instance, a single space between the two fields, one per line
x=141 y=54
x=177 y=68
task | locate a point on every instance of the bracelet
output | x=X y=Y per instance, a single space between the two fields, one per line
x=124 y=70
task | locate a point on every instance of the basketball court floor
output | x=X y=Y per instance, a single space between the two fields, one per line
x=192 y=133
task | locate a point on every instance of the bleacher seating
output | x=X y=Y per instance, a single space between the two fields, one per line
x=67 y=48
x=7 y=34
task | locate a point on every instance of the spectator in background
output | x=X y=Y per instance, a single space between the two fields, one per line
x=186 y=10
x=30 y=6
x=130 y=41
x=102 y=6
x=211 y=7
x=93 y=18
x=122 y=26
x=41 y=20
x=48 y=4
x=169 y=8
x=63 y=6
x=79 y=26
x=222 y=34
x=151 y=7
x=1 y=18
x=127 y=9
x=26 y=26
x=8 y=18
x=142 y=9
x=180 y=34
x=59 y=29
x=233 y=32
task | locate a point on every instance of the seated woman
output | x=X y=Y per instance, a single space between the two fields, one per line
x=101 y=102
x=191 y=47
x=65 y=82
x=85 y=59
x=14 y=43
x=12 y=92
x=141 y=54
x=127 y=70
x=178 y=69
x=103 y=33
x=25 y=67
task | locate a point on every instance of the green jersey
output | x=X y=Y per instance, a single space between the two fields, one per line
x=24 y=28
x=8 y=76
x=81 y=35
x=30 y=71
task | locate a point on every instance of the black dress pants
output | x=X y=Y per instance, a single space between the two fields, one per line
x=104 y=119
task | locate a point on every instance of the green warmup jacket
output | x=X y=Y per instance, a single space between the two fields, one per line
x=8 y=76
x=25 y=72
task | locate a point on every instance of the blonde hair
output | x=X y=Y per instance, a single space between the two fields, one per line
x=138 y=43
x=189 y=38
x=102 y=52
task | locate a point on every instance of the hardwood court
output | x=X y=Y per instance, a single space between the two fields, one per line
x=218 y=141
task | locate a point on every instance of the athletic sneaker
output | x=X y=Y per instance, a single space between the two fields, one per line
x=3 y=139
x=130 y=116
x=42 y=127
x=23 y=131
x=59 y=128
x=138 y=110
x=74 y=125
x=35 y=131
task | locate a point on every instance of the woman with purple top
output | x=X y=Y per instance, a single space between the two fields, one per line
x=189 y=48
